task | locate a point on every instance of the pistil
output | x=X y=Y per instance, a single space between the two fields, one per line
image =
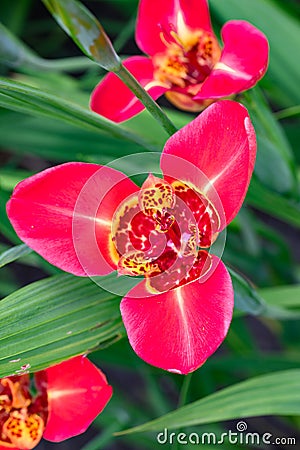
x=185 y=64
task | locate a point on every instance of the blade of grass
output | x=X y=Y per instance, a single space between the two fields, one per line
x=53 y=319
x=20 y=97
x=277 y=394
x=272 y=203
x=13 y=254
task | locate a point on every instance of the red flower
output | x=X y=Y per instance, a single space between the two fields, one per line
x=68 y=398
x=186 y=61
x=91 y=220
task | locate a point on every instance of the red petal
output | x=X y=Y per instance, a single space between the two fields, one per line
x=54 y=212
x=115 y=101
x=179 y=329
x=243 y=62
x=219 y=150
x=8 y=448
x=156 y=16
x=77 y=393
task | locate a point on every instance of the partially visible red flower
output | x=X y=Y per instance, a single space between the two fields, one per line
x=57 y=403
x=92 y=220
x=186 y=61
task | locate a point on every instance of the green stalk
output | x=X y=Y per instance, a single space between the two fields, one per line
x=183 y=397
x=74 y=18
x=145 y=98
x=184 y=390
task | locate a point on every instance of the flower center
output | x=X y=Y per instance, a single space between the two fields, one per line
x=155 y=199
x=159 y=232
x=187 y=61
x=23 y=430
x=20 y=425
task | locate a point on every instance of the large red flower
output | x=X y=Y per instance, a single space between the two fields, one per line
x=92 y=220
x=67 y=398
x=186 y=61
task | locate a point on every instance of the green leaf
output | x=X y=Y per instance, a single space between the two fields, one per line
x=275 y=166
x=26 y=99
x=15 y=17
x=249 y=301
x=12 y=51
x=271 y=362
x=283 y=296
x=273 y=203
x=15 y=53
x=246 y=298
x=5 y=226
x=80 y=24
x=260 y=243
x=10 y=177
x=28 y=258
x=57 y=141
x=54 y=319
x=14 y=253
x=293 y=111
x=277 y=394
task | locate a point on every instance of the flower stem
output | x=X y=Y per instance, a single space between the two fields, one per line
x=184 y=390
x=145 y=98
x=183 y=397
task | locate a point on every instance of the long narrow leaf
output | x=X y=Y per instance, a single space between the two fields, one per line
x=13 y=254
x=272 y=203
x=61 y=142
x=275 y=166
x=277 y=393
x=249 y=301
x=15 y=53
x=285 y=296
x=20 y=97
x=53 y=319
